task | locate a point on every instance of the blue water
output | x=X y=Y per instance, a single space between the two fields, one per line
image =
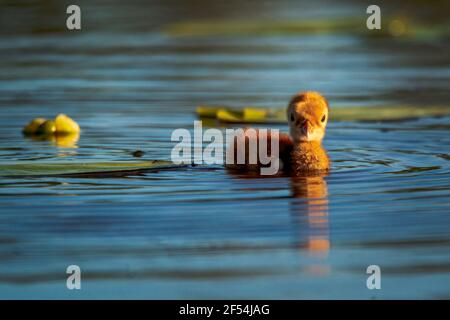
x=203 y=232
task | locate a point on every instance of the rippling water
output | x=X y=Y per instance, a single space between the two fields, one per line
x=203 y=232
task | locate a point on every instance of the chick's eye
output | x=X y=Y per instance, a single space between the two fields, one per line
x=323 y=118
x=292 y=117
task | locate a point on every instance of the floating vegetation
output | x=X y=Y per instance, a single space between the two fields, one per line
x=137 y=153
x=63 y=131
x=33 y=126
x=255 y=27
x=394 y=26
x=61 y=125
x=75 y=169
x=278 y=115
x=64 y=124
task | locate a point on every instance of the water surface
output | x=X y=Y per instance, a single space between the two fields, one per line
x=203 y=232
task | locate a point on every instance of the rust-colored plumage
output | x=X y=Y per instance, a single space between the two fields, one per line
x=301 y=151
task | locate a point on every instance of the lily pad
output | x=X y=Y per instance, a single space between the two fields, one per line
x=83 y=169
x=262 y=27
x=278 y=115
x=387 y=113
x=393 y=26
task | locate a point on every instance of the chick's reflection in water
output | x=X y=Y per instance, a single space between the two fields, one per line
x=309 y=215
x=313 y=210
x=309 y=209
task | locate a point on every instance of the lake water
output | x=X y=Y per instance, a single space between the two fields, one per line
x=203 y=232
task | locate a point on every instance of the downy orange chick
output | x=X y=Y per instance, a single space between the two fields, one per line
x=307 y=115
x=301 y=151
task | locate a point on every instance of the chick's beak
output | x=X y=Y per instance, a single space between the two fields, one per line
x=304 y=127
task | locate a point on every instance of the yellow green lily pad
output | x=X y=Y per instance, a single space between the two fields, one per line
x=393 y=26
x=278 y=115
x=33 y=168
